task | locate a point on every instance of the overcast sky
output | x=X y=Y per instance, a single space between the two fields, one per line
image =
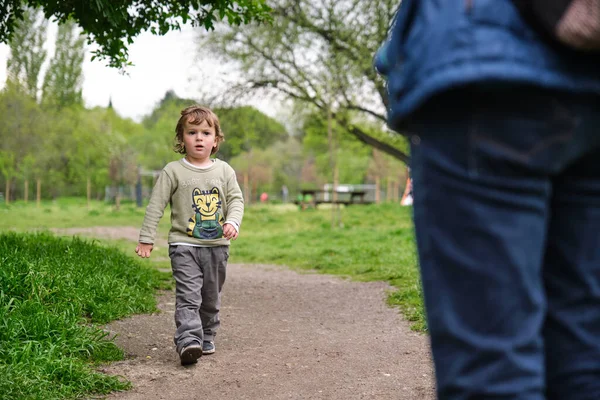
x=161 y=63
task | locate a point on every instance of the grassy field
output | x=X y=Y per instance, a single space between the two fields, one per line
x=375 y=242
x=54 y=295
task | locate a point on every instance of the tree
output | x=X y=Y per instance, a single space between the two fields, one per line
x=155 y=146
x=123 y=164
x=20 y=130
x=287 y=164
x=166 y=106
x=64 y=79
x=113 y=24
x=27 y=170
x=352 y=157
x=246 y=128
x=320 y=53
x=82 y=139
x=7 y=169
x=388 y=174
x=27 y=53
x=256 y=169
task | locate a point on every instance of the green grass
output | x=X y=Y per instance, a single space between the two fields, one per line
x=69 y=213
x=54 y=293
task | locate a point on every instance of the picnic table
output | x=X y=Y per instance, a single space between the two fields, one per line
x=314 y=197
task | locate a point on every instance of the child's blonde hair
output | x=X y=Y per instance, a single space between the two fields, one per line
x=196 y=115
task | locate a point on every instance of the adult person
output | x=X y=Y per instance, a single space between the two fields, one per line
x=504 y=123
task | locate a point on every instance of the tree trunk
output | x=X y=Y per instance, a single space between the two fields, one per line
x=377 y=190
x=117 y=199
x=26 y=191
x=336 y=181
x=334 y=169
x=89 y=192
x=254 y=188
x=7 y=192
x=246 y=188
x=388 y=195
x=337 y=218
x=332 y=160
x=38 y=196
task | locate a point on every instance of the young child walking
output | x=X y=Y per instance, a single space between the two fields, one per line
x=206 y=212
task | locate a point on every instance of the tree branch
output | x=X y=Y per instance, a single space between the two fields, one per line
x=371 y=141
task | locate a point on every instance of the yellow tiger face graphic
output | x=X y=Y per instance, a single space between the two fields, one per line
x=206 y=203
x=207 y=221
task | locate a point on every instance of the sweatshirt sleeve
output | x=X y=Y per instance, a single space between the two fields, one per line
x=235 y=200
x=161 y=195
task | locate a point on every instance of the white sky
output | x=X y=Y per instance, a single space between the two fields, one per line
x=161 y=63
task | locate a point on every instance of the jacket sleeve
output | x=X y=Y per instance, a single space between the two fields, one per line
x=161 y=195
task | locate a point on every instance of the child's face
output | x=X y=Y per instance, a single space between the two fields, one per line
x=199 y=140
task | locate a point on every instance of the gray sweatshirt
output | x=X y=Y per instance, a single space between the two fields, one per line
x=201 y=200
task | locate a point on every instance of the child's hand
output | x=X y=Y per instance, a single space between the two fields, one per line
x=229 y=232
x=144 y=249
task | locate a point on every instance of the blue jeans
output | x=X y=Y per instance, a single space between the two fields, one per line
x=507 y=217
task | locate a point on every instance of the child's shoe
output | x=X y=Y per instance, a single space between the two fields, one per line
x=208 y=347
x=190 y=354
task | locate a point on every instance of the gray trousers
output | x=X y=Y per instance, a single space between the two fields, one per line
x=199 y=274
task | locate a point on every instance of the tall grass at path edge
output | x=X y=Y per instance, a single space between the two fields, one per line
x=54 y=293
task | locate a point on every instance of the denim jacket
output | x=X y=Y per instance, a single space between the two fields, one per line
x=435 y=45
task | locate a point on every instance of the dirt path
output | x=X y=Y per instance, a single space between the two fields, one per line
x=284 y=335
